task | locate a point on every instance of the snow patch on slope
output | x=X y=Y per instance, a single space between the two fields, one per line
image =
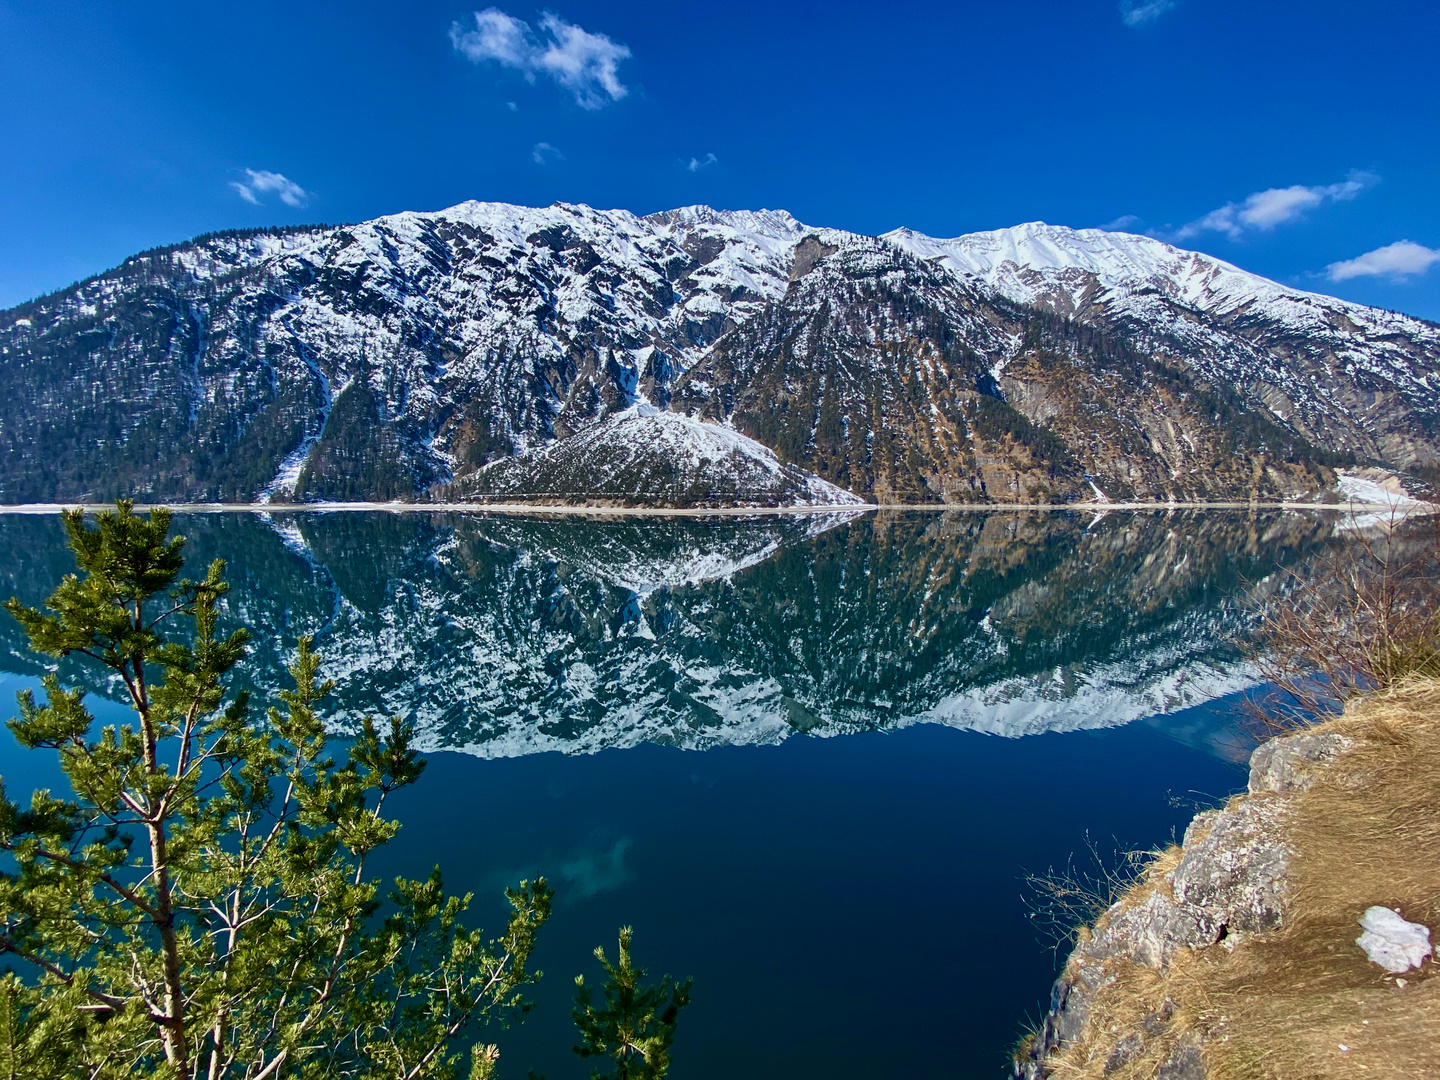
x=1369 y=489
x=642 y=453
x=1383 y=495
x=1027 y=263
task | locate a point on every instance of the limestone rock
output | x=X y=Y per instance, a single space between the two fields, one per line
x=1229 y=881
x=1288 y=764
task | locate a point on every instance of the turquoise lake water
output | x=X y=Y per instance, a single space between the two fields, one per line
x=809 y=759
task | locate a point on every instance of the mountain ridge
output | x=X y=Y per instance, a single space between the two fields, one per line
x=405 y=356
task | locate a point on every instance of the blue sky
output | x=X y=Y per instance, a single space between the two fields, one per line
x=1297 y=139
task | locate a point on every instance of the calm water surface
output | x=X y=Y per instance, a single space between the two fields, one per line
x=770 y=745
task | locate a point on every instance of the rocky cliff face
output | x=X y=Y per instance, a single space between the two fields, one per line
x=390 y=358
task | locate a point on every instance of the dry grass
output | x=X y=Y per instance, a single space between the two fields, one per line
x=1368 y=832
x=1062 y=904
x=1280 y=1006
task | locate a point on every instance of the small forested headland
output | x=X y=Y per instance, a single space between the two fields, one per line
x=198 y=904
x=1291 y=933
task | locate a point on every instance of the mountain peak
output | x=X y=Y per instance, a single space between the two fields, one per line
x=1035 y=262
x=775 y=224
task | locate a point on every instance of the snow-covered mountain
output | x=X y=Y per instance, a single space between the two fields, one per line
x=641 y=454
x=1314 y=362
x=402 y=356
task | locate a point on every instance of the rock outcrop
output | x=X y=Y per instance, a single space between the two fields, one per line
x=1238 y=954
x=1227 y=880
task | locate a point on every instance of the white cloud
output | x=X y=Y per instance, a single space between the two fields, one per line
x=1264 y=210
x=261 y=182
x=1399 y=260
x=586 y=64
x=696 y=164
x=1135 y=13
x=543 y=152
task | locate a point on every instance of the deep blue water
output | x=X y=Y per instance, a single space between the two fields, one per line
x=849 y=905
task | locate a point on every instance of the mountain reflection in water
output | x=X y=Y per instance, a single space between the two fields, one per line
x=504 y=635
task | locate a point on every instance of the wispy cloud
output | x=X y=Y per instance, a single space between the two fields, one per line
x=1264 y=210
x=586 y=64
x=259 y=182
x=696 y=164
x=1399 y=260
x=1136 y=13
x=543 y=152
x=1122 y=223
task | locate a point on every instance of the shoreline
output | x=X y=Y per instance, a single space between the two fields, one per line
x=1239 y=944
x=590 y=510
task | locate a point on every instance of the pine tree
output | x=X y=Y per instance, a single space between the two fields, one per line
x=636 y=1026
x=198 y=907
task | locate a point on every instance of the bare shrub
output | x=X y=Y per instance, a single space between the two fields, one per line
x=1362 y=617
x=1063 y=902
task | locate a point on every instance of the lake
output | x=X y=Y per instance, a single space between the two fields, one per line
x=809 y=758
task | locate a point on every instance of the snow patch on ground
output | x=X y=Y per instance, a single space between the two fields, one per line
x=1392 y=942
x=1381 y=494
